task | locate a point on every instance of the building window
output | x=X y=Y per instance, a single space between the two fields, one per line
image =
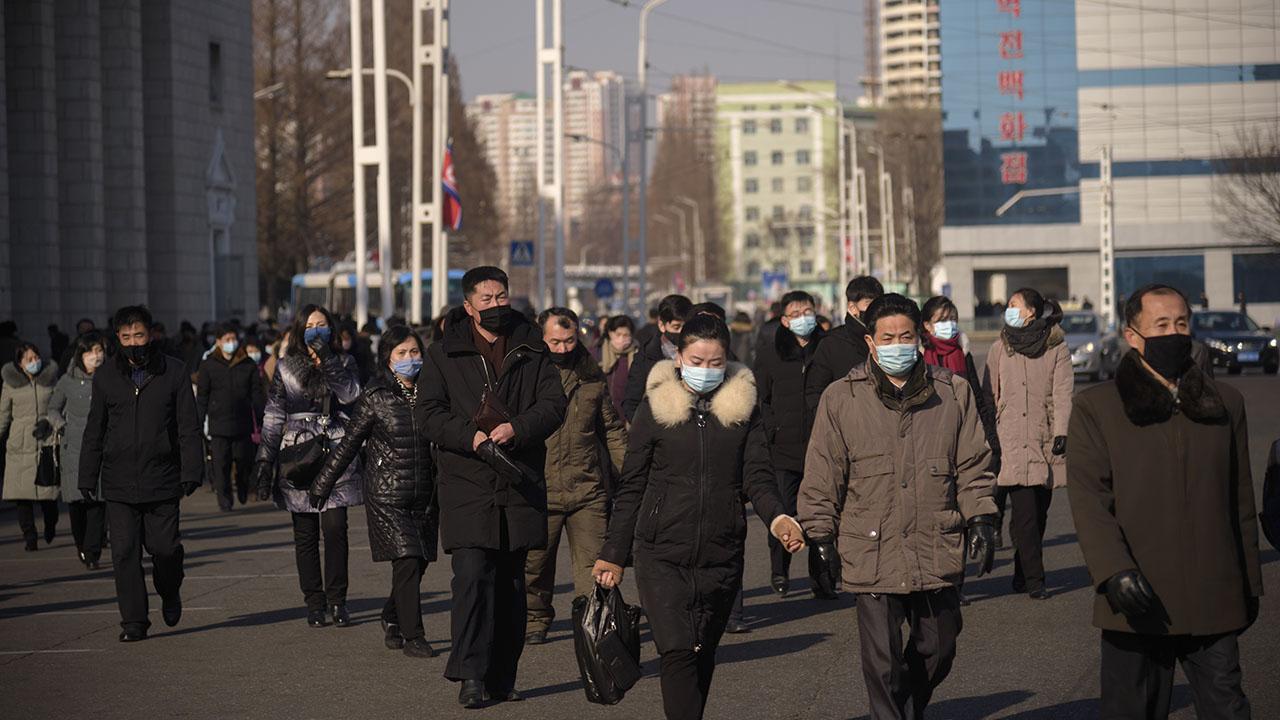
x=806 y=235
x=806 y=212
x=802 y=157
x=775 y=127
x=752 y=185
x=776 y=185
x=1185 y=272
x=1255 y=275
x=779 y=237
x=752 y=214
x=776 y=157
x=802 y=126
x=215 y=74
x=804 y=184
x=749 y=108
x=806 y=267
x=779 y=213
x=749 y=157
x=780 y=268
x=753 y=240
x=753 y=268
x=748 y=127
x=775 y=108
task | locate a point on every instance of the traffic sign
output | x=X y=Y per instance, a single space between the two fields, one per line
x=522 y=253
x=604 y=288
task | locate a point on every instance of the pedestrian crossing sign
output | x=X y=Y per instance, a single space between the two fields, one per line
x=521 y=253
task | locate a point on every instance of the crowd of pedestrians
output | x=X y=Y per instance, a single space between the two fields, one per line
x=493 y=435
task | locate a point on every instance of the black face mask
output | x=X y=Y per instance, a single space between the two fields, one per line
x=1169 y=355
x=136 y=354
x=496 y=319
x=560 y=359
x=672 y=337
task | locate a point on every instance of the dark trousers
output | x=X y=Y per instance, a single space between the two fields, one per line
x=1137 y=675
x=225 y=451
x=779 y=558
x=152 y=525
x=901 y=682
x=88 y=527
x=686 y=682
x=404 y=605
x=1026 y=527
x=27 y=516
x=331 y=587
x=488 y=616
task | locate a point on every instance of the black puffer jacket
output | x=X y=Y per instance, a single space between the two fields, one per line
x=642 y=362
x=679 y=502
x=399 y=478
x=780 y=375
x=843 y=349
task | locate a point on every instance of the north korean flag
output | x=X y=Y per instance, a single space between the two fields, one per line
x=452 y=205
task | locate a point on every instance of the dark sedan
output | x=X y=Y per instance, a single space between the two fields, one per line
x=1235 y=341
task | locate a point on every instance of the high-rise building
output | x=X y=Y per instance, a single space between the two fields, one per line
x=1035 y=92
x=126 y=160
x=506 y=124
x=690 y=107
x=903 y=52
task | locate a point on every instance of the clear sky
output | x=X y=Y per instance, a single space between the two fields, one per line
x=736 y=40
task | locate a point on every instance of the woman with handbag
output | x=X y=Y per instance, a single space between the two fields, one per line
x=399 y=483
x=30 y=472
x=306 y=414
x=69 y=412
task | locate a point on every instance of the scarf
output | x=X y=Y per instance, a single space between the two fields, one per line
x=945 y=353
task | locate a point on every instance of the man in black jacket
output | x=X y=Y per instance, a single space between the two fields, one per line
x=229 y=396
x=846 y=346
x=489 y=397
x=673 y=311
x=142 y=437
x=780 y=377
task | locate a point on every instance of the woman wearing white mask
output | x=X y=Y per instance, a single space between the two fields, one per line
x=697 y=445
x=1030 y=381
x=68 y=413
x=24 y=405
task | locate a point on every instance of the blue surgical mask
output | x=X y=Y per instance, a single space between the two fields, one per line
x=1013 y=317
x=803 y=326
x=946 y=329
x=313 y=333
x=33 y=367
x=409 y=367
x=702 y=380
x=897 y=360
x=230 y=347
x=255 y=356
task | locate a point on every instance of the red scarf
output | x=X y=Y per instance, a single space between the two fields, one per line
x=945 y=353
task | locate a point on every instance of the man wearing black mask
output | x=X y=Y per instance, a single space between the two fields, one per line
x=592 y=434
x=845 y=347
x=1161 y=492
x=143 y=439
x=489 y=396
x=673 y=311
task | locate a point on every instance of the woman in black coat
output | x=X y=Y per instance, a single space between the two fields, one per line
x=399 y=483
x=697 y=445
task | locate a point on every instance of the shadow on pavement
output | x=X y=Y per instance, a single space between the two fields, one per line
x=42 y=608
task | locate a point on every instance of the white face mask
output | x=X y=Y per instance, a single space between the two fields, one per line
x=946 y=329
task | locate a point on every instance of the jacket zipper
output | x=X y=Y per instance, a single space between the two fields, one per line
x=697 y=540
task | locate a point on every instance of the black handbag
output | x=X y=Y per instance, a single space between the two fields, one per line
x=300 y=463
x=47 y=468
x=606 y=640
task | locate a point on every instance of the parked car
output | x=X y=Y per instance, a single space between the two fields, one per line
x=1095 y=350
x=1236 y=341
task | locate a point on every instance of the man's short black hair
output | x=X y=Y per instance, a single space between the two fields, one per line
x=888 y=305
x=674 y=307
x=710 y=308
x=484 y=273
x=796 y=296
x=1133 y=306
x=130 y=315
x=863 y=287
x=565 y=318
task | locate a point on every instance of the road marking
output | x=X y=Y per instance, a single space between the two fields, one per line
x=113 y=611
x=46 y=652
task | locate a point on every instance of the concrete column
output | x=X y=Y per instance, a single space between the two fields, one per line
x=124 y=177
x=162 y=156
x=6 y=280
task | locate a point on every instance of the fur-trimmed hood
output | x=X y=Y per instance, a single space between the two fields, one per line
x=672 y=402
x=14 y=377
x=1147 y=401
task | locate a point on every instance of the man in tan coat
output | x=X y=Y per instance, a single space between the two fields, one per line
x=592 y=434
x=896 y=470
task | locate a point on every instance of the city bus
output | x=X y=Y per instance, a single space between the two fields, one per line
x=335 y=289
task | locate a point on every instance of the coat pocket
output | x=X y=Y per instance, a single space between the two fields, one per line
x=860 y=550
x=650 y=510
x=869 y=481
x=948 y=547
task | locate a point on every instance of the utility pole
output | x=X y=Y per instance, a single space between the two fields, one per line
x=888 y=252
x=633 y=132
x=909 y=232
x=430 y=57
x=550 y=57
x=842 y=190
x=861 y=215
x=385 y=255
x=1106 y=240
x=642 y=76
x=365 y=156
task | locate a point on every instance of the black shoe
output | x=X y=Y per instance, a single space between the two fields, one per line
x=1040 y=594
x=133 y=636
x=472 y=695
x=49 y=534
x=999 y=538
x=93 y=564
x=780 y=583
x=1019 y=585
x=33 y=544
x=512 y=695
x=537 y=637
x=172 y=612
x=737 y=627
x=822 y=594
x=84 y=559
x=418 y=648
x=964 y=600
x=340 y=616
x=316 y=618
x=394 y=640
x=242 y=494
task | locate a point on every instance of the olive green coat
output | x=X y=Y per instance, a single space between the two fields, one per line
x=592 y=433
x=23 y=402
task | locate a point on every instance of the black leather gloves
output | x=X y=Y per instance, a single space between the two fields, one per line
x=89 y=494
x=189 y=488
x=982 y=541
x=1060 y=445
x=825 y=559
x=42 y=430
x=264 y=479
x=498 y=459
x=316 y=501
x=321 y=349
x=995 y=462
x=1129 y=593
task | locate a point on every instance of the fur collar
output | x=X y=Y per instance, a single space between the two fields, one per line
x=672 y=402
x=1147 y=401
x=15 y=378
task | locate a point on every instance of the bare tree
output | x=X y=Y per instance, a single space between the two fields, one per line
x=1246 y=197
x=911 y=138
x=685 y=166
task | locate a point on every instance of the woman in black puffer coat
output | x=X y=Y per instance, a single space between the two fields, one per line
x=697 y=445
x=399 y=483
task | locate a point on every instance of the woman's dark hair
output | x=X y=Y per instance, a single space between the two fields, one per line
x=393 y=336
x=936 y=303
x=704 y=327
x=298 y=330
x=1032 y=299
x=22 y=349
x=619 y=321
x=888 y=305
x=85 y=343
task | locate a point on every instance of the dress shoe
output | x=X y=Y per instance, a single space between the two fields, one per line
x=823 y=594
x=32 y=545
x=394 y=640
x=1019 y=585
x=340 y=616
x=172 y=612
x=1040 y=594
x=780 y=584
x=999 y=538
x=537 y=637
x=419 y=648
x=133 y=636
x=242 y=494
x=84 y=559
x=964 y=600
x=472 y=694
x=737 y=627
x=49 y=534
x=509 y=696
x=316 y=618
x=92 y=564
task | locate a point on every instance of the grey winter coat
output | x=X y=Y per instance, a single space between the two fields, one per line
x=68 y=413
x=294 y=404
x=23 y=402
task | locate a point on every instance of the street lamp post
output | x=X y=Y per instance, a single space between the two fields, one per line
x=550 y=57
x=642 y=77
x=699 y=241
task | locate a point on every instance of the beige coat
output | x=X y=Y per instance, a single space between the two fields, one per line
x=896 y=486
x=23 y=402
x=1033 y=406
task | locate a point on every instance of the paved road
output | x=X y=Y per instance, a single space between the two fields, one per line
x=243 y=649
